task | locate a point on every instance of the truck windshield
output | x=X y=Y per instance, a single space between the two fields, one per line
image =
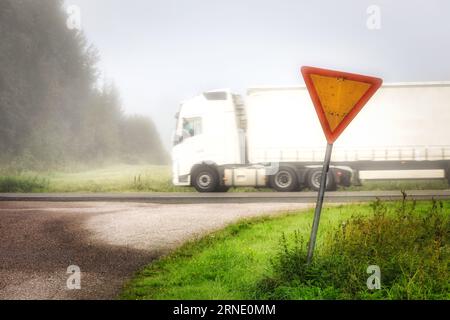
x=192 y=127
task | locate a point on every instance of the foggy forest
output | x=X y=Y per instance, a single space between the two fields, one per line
x=56 y=109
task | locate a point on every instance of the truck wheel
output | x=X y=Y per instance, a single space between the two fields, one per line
x=285 y=180
x=205 y=179
x=314 y=177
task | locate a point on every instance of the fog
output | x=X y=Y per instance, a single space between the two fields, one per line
x=56 y=110
x=161 y=52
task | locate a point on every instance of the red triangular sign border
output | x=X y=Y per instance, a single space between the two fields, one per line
x=329 y=134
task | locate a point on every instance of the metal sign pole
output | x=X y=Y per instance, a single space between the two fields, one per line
x=323 y=183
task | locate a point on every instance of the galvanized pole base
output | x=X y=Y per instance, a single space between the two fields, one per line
x=323 y=183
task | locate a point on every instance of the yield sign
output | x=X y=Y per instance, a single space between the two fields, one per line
x=338 y=97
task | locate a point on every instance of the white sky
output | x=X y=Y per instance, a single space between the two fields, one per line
x=160 y=52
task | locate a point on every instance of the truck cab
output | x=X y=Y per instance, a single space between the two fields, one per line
x=208 y=136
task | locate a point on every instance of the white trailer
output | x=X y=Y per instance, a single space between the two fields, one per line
x=274 y=139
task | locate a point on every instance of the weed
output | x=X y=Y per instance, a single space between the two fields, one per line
x=411 y=249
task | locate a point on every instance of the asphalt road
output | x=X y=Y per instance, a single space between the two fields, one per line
x=108 y=241
x=248 y=197
x=112 y=236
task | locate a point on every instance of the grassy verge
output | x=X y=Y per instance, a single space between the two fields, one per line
x=368 y=185
x=23 y=183
x=147 y=178
x=264 y=258
x=119 y=178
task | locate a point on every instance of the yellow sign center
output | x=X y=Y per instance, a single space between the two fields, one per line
x=338 y=96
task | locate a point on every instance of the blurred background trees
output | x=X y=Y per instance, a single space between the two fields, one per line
x=54 y=111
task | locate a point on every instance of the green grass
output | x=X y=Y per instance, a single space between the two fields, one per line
x=119 y=178
x=410 y=247
x=23 y=184
x=368 y=185
x=148 y=178
x=250 y=260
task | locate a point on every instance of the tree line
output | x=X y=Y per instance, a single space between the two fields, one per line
x=53 y=110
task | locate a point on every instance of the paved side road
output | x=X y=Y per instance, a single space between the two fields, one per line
x=108 y=241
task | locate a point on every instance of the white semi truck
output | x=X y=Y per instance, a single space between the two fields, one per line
x=274 y=139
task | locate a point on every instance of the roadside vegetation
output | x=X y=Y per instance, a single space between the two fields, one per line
x=424 y=184
x=146 y=178
x=265 y=258
x=117 y=178
x=23 y=184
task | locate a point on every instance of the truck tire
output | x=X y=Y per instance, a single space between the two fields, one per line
x=314 y=177
x=285 y=180
x=205 y=179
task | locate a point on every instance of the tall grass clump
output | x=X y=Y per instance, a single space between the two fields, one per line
x=23 y=183
x=410 y=246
